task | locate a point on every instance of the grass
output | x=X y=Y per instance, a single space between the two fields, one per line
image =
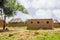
x=30 y=34
x=48 y=37
x=17 y=27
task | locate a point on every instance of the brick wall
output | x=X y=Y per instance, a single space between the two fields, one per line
x=16 y=24
x=1 y=23
x=40 y=24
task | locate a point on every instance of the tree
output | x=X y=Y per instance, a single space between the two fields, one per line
x=26 y=21
x=10 y=7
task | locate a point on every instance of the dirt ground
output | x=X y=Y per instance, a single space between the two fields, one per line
x=24 y=30
x=23 y=33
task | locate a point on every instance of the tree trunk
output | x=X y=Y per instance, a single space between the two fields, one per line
x=4 y=22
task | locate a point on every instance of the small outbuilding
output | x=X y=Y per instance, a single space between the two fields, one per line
x=56 y=24
x=34 y=24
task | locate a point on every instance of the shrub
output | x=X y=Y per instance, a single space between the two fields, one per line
x=37 y=33
x=10 y=35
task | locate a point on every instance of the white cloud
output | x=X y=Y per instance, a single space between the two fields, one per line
x=25 y=3
x=57 y=13
x=43 y=14
x=41 y=5
x=44 y=3
x=27 y=16
x=38 y=3
x=23 y=16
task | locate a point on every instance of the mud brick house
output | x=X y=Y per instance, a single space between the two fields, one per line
x=56 y=24
x=16 y=22
x=40 y=24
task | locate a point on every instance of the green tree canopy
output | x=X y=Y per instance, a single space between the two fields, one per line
x=13 y=6
x=10 y=7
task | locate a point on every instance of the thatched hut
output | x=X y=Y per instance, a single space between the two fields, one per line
x=16 y=22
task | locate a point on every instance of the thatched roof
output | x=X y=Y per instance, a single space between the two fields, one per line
x=16 y=20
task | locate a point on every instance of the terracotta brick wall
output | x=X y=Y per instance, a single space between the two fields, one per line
x=16 y=24
x=1 y=23
x=40 y=24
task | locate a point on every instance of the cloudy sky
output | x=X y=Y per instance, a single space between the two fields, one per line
x=40 y=9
